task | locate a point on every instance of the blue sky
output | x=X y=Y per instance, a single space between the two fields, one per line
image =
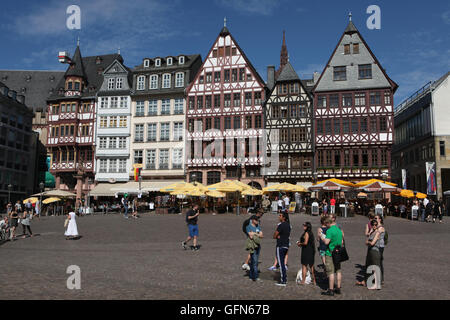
x=413 y=44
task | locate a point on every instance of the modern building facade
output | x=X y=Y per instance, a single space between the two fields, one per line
x=71 y=118
x=288 y=123
x=17 y=147
x=112 y=152
x=422 y=135
x=158 y=116
x=353 y=113
x=225 y=117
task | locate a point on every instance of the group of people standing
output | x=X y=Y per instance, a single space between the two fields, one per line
x=20 y=214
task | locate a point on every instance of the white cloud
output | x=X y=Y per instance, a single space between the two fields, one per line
x=262 y=7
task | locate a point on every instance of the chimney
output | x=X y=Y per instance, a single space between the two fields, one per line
x=12 y=94
x=316 y=76
x=270 y=77
x=21 y=99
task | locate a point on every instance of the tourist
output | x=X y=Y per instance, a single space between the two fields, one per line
x=26 y=222
x=280 y=203
x=259 y=214
x=13 y=223
x=422 y=210
x=253 y=245
x=371 y=216
x=72 y=230
x=307 y=257
x=9 y=208
x=275 y=266
x=383 y=242
x=324 y=207
x=124 y=201
x=18 y=206
x=373 y=257
x=437 y=210
x=282 y=234
x=429 y=210
x=135 y=206
x=4 y=225
x=29 y=208
x=191 y=220
x=333 y=237
x=286 y=202
x=322 y=246
x=37 y=210
x=151 y=205
x=332 y=205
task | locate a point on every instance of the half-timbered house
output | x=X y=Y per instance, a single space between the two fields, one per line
x=225 y=117
x=71 y=121
x=353 y=112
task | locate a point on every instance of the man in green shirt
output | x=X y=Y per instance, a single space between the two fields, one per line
x=333 y=238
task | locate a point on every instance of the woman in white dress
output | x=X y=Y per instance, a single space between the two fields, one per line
x=72 y=231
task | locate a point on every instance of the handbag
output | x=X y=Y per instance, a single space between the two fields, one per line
x=339 y=254
x=66 y=222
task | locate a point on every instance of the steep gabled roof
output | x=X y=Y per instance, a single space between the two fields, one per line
x=76 y=66
x=288 y=73
x=350 y=30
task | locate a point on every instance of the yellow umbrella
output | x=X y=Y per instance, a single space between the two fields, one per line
x=32 y=200
x=50 y=200
x=299 y=188
x=196 y=192
x=405 y=193
x=226 y=186
x=252 y=192
x=243 y=185
x=339 y=181
x=280 y=187
x=370 y=181
x=176 y=186
x=215 y=194
x=420 y=195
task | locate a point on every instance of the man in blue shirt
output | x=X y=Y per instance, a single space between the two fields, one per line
x=191 y=220
x=282 y=235
x=253 y=230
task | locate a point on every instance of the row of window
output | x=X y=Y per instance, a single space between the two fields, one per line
x=14 y=139
x=112 y=143
x=166 y=81
x=70 y=108
x=413 y=128
x=355 y=48
x=296 y=162
x=218 y=101
x=165 y=108
x=421 y=153
x=290 y=88
x=352 y=126
x=114 y=122
x=164 y=132
x=293 y=135
x=364 y=72
x=14 y=121
x=291 y=111
x=199 y=125
x=336 y=100
x=73 y=85
x=68 y=155
x=69 y=130
x=224 y=51
x=115 y=83
x=113 y=102
x=352 y=158
x=12 y=159
x=169 y=61
x=228 y=75
x=162 y=161
x=112 y=165
x=226 y=148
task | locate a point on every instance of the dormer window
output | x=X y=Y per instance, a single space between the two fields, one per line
x=77 y=86
x=158 y=62
x=181 y=60
x=169 y=61
x=69 y=85
x=111 y=83
x=98 y=60
x=146 y=63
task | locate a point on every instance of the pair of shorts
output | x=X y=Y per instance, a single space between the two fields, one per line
x=193 y=230
x=330 y=267
x=322 y=253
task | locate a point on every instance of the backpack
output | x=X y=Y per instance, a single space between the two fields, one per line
x=245 y=224
x=386 y=237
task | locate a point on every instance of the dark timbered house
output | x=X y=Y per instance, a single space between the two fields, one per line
x=353 y=112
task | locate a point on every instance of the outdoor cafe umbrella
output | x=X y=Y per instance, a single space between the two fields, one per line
x=287 y=187
x=405 y=193
x=56 y=193
x=252 y=192
x=362 y=195
x=215 y=194
x=378 y=187
x=226 y=186
x=331 y=185
x=51 y=200
x=176 y=186
x=371 y=181
x=338 y=181
x=32 y=200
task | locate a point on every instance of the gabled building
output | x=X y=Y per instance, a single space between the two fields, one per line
x=353 y=112
x=113 y=125
x=225 y=117
x=288 y=122
x=71 y=121
x=158 y=118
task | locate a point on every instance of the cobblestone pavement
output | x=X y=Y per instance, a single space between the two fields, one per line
x=143 y=259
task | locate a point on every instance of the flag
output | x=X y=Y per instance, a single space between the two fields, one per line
x=431 y=178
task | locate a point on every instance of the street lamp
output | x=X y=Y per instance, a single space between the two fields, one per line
x=9 y=192
x=41 y=189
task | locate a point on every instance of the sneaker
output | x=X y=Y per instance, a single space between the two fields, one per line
x=245 y=267
x=196 y=248
x=328 y=293
x=337 y=291
x=281 y=284
x=183 y=244
x=272 y=268
x=257 y=280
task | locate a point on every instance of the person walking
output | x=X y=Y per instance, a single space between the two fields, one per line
x=333 y=205
x=13 y=223
x=333 y=237
x=382 y=244
x=125 y=206
x=259 y=213
x=191 y=220
x=429 y=210
x=72 y=230
x=135 y=206
x=282 y=234
x=37 y=209
x=308 y=251
x=253 y=245
x=26 y=223
x=437 y=211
